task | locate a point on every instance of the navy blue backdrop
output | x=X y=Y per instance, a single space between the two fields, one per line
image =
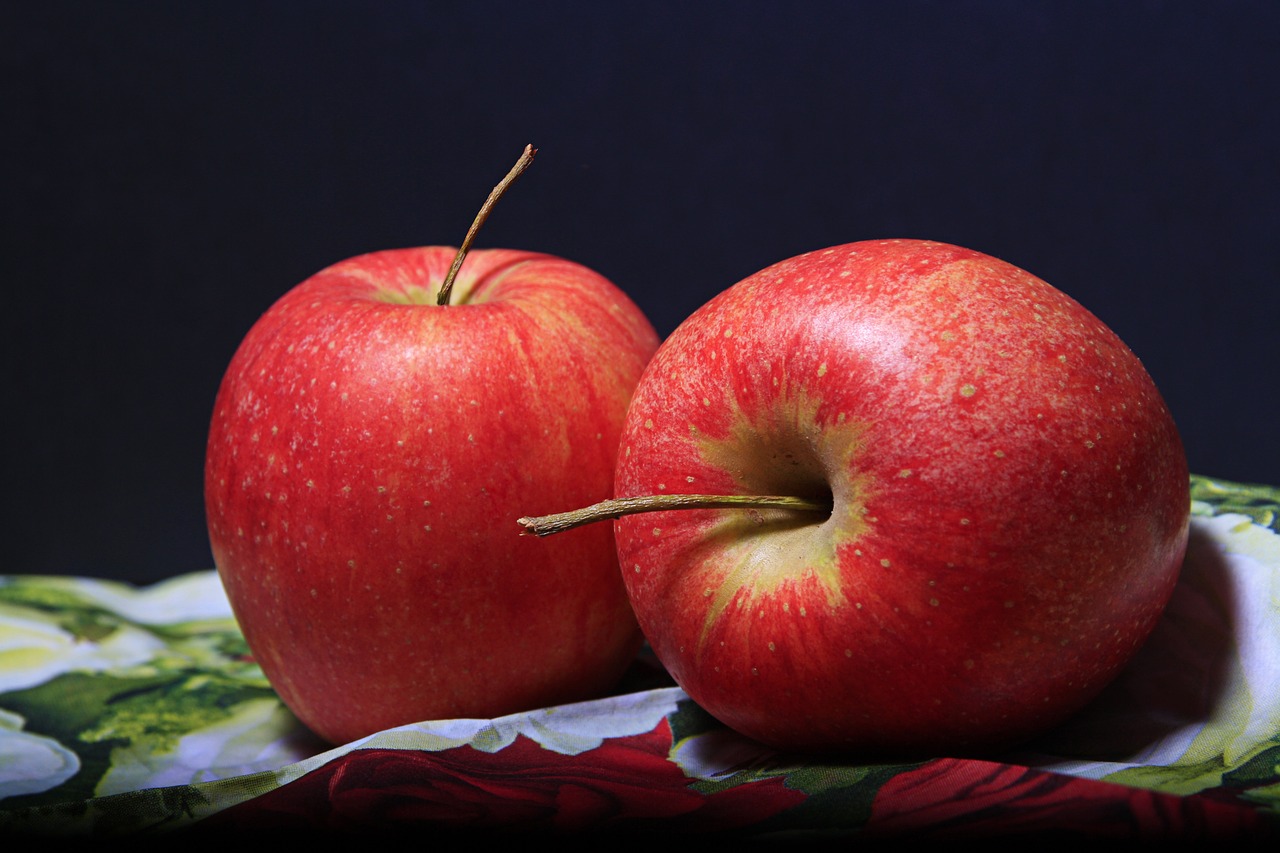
x=169 y=169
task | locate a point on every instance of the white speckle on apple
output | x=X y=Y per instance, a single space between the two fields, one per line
x=822 y=369
x=968 y=390
x=885 y=562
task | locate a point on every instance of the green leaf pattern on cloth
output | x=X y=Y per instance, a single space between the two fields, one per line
x=126 y=710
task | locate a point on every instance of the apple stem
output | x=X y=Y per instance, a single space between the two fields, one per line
x=517 y=170
x=545 y=525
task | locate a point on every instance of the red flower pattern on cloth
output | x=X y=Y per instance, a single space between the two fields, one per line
x=625 y=782
x=952 y=797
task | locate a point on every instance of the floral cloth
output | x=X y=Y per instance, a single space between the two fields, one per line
x=127 y=711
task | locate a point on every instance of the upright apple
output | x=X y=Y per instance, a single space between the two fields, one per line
x=984 y=502
x=365 y=446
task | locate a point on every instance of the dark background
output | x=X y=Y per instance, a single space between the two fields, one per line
x=170 y=169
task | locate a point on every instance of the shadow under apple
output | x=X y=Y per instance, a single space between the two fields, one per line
x=1177 y=681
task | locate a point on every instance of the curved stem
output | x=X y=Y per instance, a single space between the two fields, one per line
x=545 y=525
x=517 y=170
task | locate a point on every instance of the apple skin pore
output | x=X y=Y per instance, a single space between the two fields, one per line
x=1010 y=502
x=367 y=455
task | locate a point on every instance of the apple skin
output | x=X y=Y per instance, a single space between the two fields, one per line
x=1010 y=502
x=367 y=452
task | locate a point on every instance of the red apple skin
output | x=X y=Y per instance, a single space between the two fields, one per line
x=1010 y=502
x=368 y=453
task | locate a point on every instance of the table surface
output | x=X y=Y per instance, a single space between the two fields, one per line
x=139 y=711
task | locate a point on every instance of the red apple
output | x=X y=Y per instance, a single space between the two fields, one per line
x=367 y=451
x=994 y=502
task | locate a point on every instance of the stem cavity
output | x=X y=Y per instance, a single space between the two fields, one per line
x=517 y=170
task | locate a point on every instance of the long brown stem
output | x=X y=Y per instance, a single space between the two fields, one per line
x=545 y=525
x=517 y=170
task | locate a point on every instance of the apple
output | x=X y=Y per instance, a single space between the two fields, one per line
x=367 y=449
x=975 y=503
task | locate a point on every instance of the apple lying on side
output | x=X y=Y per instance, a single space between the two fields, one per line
x=364 y=440
x=978 y=502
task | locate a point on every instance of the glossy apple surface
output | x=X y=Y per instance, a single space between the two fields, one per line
x=1009 y=502
x=367 y=452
